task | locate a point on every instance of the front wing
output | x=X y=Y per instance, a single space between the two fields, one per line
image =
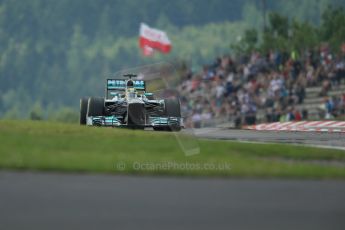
x=114 y=121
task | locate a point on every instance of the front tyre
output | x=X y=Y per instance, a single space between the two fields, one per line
x=172 y=109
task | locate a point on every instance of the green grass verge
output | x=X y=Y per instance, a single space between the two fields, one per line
x=46 y=146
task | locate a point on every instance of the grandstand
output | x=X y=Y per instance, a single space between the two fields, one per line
x=265 y=88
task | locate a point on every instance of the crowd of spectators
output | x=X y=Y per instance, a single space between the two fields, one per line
x=332 y=107
x=274 y=83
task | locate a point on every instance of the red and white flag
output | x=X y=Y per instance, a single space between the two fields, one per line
x=151 y=39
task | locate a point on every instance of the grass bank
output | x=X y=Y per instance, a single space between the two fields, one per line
x=48 y=146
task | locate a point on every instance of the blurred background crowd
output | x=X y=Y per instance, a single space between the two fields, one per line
x=235 y=90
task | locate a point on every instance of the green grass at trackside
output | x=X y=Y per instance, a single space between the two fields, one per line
x=46 y=146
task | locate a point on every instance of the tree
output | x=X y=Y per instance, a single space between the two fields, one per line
x=332 y=27
x=247 y=43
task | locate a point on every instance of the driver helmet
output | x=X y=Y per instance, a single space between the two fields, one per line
x=130 y=84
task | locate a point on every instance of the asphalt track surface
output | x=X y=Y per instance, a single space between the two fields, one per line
x=321 y=139
x=61 y=201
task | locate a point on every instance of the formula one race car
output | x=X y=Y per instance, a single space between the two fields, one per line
x=127 y=104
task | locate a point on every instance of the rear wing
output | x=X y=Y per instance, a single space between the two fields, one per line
x=120 y=84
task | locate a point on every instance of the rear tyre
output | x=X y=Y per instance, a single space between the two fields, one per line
x=83 y=110
x=95 y=106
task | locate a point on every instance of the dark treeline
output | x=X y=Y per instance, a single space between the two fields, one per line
x=52 y=52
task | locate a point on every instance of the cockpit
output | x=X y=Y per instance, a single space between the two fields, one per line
x=120 y=89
